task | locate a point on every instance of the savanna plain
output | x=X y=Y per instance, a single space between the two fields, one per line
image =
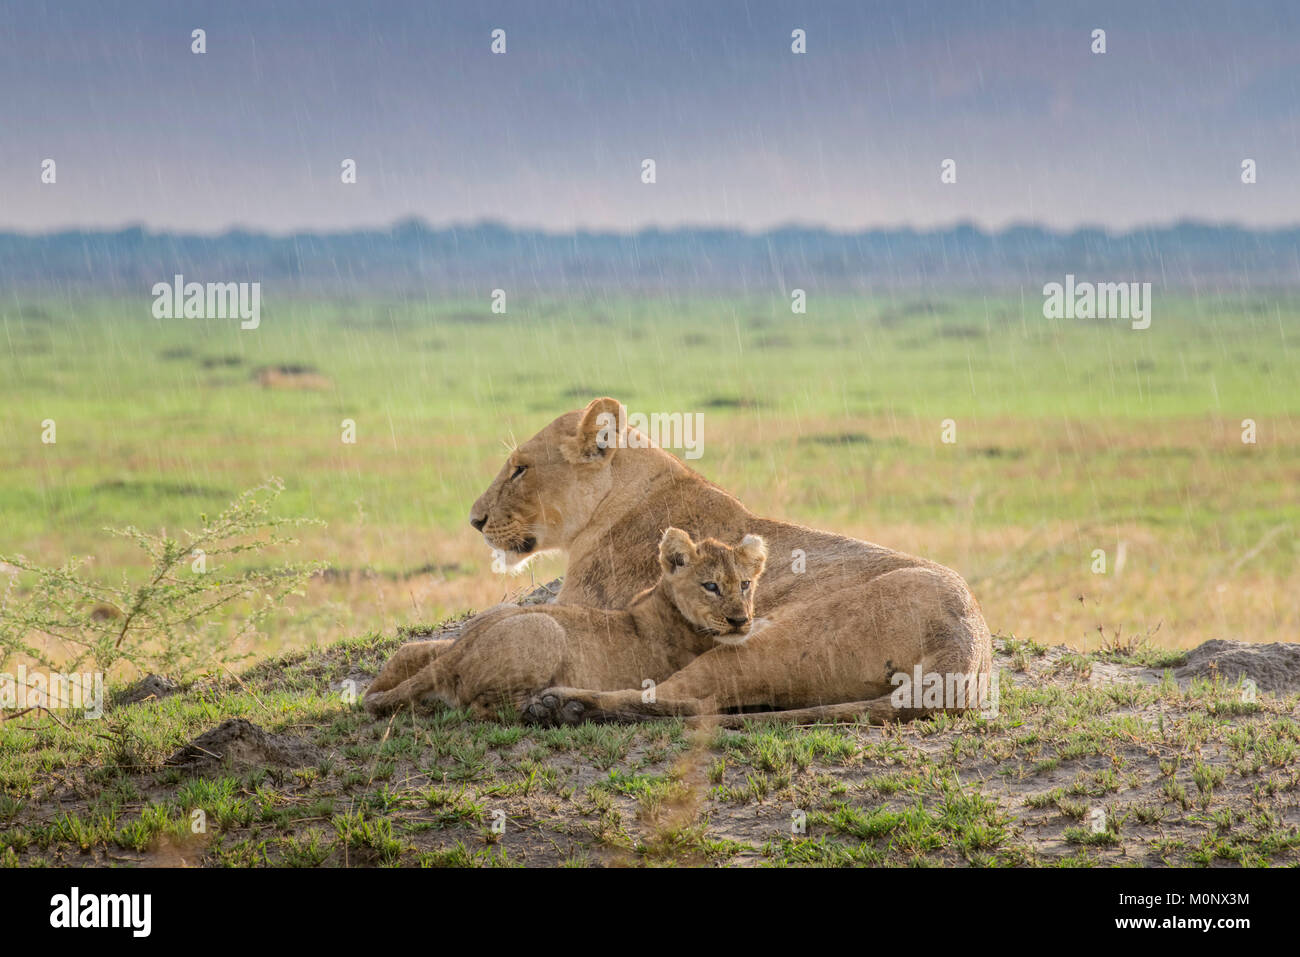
x=1096 y=492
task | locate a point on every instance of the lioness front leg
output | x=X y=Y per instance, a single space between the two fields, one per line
x=576 y=705
x=728 y=676
x=565 y=706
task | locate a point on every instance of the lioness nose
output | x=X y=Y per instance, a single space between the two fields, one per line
x=478 y=523
x=737 y=622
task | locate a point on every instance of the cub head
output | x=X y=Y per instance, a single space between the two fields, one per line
x=713 y=584
x=549 y=487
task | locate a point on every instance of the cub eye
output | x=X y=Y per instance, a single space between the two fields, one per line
x=711 y=586
x=744 y=586
x=518 y=472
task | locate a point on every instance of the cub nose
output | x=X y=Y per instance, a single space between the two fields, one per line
x=478 y=523
x=737 y=622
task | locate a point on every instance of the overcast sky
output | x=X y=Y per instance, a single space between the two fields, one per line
x=552 y=134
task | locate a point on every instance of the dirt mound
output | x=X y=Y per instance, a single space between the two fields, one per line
x=542 y=594
x=148 y=688
x=1274 y=668
x=239 y=741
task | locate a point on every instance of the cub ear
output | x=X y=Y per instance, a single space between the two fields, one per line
x=676 y=550
x=600 y=430
x=751 y=554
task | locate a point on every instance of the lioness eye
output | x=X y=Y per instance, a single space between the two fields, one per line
x=744 y=586
x=518 y=472
x=711 y=586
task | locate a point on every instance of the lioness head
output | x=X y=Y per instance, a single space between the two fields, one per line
x=550 y=486
x=712 y=584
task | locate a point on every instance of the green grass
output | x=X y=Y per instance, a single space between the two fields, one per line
x=1071 y=436
x=168 y=409
x=1180 y=778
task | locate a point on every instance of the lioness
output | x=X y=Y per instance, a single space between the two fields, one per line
x=851 y=614
x=705 y=595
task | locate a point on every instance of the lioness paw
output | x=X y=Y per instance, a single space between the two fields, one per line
x=553 y=708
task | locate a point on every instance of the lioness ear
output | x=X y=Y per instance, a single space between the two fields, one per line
x=600 y=430
x=676 y=550
x=752 y=555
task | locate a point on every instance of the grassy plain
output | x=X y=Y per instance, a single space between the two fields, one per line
x=1098 y=759
x=1071 y=436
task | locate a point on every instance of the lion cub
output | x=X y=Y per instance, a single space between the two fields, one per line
x=705 y=595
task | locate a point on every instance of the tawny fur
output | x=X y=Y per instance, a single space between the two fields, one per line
x=845 y=615
x=505 y=655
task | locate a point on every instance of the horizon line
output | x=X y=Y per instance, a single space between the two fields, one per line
x=406 y=222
